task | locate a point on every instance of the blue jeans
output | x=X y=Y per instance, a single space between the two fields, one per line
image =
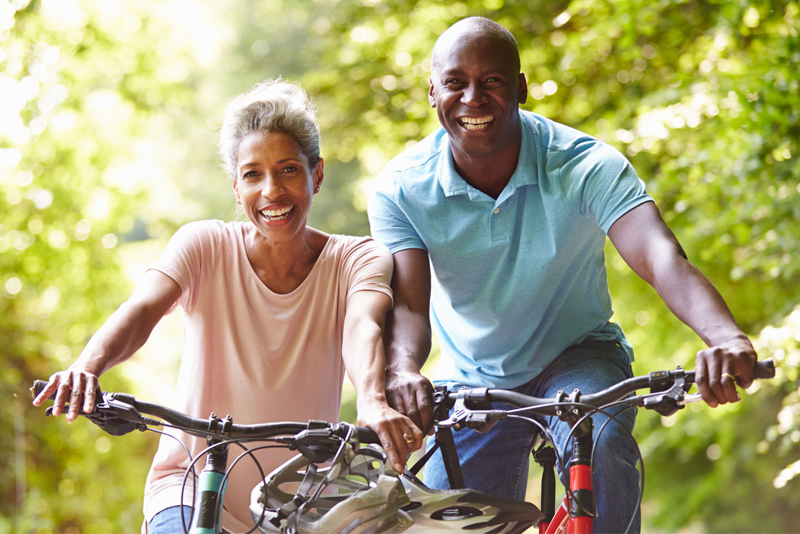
x=168 y=521
x=496 y=463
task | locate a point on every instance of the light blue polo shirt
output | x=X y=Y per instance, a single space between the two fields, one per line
x=517 y=280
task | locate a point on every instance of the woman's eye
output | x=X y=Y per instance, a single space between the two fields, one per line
x=250 y=174
x=290 y=168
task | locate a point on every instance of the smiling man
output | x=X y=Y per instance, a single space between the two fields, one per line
x=497 y=224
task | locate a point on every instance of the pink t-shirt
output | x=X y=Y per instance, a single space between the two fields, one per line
x=257 y=355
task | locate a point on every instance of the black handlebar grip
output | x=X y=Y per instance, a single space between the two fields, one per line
x=764 y=369
x=367 y=435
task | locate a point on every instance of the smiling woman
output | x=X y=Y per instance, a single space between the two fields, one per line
x=272 y=307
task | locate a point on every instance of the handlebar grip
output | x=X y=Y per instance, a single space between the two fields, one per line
x=367 y=435
x=38 y=387
x=764 y=369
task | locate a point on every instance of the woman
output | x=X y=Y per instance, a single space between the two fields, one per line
x=274 y=309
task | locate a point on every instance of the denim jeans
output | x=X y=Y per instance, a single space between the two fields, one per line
x=496 y=463
x=168 y=521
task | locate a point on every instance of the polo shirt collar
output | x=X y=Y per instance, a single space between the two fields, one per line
x=525 y=173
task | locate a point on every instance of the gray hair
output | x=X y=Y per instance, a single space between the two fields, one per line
x=270 y=106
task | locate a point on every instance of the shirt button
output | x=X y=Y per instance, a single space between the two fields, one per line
x=497 y=210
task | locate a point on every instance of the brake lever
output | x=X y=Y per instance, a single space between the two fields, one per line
x=115 y=417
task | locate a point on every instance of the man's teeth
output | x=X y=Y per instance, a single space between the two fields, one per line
x=276 y=214
x=471 y=123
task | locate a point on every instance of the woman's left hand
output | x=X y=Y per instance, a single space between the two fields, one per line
x=398 y=434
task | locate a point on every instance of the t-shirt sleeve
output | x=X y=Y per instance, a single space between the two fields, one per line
x=189 y=256
x=602 y=181
x=368 y=266
x=388 y=223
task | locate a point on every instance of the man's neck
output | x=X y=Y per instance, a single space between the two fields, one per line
x=491 y=173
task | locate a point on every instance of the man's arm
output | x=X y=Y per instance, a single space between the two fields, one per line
x=117 y=340
x=408 y=336
x=650 y=248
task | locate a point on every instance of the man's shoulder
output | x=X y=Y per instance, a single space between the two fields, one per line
x=553 y=135
x=418 y=160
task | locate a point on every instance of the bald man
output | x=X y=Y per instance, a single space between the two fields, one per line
x=497 y=224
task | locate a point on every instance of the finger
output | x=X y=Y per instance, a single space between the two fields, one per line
x=90 y=394
x=48 y=390
x=396 y=401
x=390 y=447
x=715 y=376
x=728 y=384
x=701 y=380
x=78 y=383
x=62 y=395
x=425 y=407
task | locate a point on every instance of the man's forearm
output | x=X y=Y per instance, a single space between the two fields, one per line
x=696 y=302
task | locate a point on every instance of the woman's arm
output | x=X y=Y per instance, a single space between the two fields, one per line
x=646 y=244
x=363 y=353
x=117 y=340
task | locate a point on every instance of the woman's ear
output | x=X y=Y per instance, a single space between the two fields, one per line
x=236 y=191
x=318 y=175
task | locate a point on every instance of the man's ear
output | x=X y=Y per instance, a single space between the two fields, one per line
x=523 y=88
x=431 y=97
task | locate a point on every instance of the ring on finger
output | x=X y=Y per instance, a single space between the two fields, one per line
x=408 y=437
x=732 y=377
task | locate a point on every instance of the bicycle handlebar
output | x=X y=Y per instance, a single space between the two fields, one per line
x=126 y=408
x=658 y=381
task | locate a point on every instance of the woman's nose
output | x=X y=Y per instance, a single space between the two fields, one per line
x=272 y=187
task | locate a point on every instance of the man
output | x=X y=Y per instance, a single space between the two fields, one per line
x=509 y=212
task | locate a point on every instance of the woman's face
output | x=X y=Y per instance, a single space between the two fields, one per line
x=275 y=185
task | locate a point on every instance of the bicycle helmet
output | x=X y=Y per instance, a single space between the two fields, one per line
x=363 y=494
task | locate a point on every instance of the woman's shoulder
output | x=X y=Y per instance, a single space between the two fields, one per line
x=349 y=243
x=211 y=230
x=359 y=252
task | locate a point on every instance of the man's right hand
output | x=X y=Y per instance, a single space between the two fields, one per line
x=410 y=393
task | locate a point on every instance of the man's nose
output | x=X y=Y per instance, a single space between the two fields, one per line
x=473 y=95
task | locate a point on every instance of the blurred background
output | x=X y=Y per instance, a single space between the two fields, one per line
x=109 y=113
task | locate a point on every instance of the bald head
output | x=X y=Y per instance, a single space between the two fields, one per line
x=472 y=29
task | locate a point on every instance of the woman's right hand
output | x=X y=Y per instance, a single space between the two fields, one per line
x=76 y=386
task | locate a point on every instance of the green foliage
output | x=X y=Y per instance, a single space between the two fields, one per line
x=110 y=125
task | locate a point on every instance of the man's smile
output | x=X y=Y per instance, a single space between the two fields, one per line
x=475 y=123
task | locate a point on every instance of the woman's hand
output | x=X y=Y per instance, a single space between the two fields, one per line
x=75 y=386
x=398 y=435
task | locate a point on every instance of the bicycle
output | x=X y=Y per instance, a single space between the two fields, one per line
x=370 y=497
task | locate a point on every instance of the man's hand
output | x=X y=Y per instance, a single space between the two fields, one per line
x=720 y=368
x=410 y=393
x=397 y=433
x=74 y=385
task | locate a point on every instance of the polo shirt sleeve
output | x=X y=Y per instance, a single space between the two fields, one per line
x=388 y=222
x=602 y=182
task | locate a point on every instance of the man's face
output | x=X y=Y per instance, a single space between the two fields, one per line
x=476 y=90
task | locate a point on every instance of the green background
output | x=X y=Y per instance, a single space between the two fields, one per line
x=109 y=112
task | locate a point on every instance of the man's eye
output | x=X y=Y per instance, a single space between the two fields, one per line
x=452 y=81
